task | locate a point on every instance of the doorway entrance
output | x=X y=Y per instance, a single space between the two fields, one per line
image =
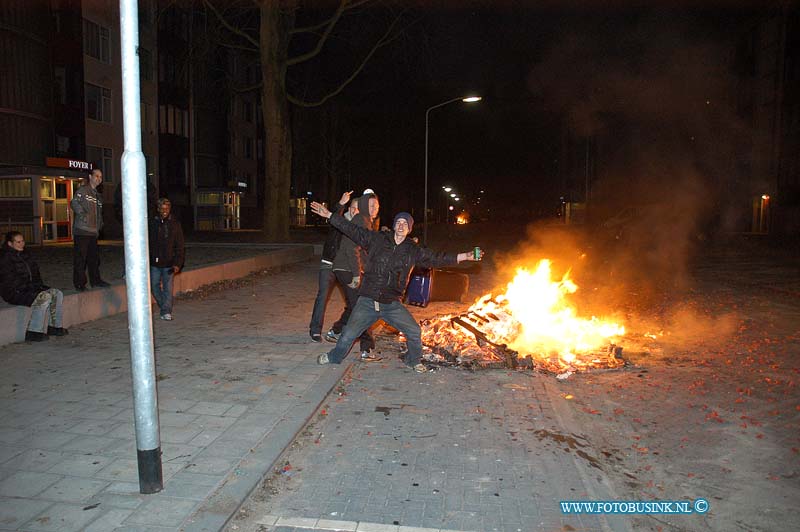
x=55 y=195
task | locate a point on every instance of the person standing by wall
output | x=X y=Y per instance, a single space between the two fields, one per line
x=87 y=220
x=21 y=284
x=166 y=256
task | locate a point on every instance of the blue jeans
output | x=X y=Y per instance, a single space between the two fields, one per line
x=365 y=315
x=327 y=280
x=46 y=310
x=161 y=286
x=344 y=278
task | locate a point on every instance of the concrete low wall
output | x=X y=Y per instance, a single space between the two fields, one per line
x=80 y=307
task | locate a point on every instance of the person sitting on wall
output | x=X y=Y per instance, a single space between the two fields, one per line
x=21 y=284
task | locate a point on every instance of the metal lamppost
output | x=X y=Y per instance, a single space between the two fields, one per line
x=467 y=99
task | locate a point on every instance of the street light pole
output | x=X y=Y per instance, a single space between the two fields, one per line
x=467 y=99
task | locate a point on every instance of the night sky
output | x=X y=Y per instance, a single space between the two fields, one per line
x=651 y=85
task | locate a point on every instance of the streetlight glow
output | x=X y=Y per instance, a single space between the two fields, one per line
x=447 y=189
x=466 y=99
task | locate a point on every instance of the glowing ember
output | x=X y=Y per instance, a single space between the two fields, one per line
x=533 y=318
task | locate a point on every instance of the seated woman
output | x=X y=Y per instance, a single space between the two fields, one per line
x=21 y=284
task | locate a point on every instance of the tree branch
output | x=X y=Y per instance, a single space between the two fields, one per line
x=384 y=40
x=324 y=37
x=311 y=29
x=239 y=47
x=247 y=89
x=231 y=28
x=356 y=4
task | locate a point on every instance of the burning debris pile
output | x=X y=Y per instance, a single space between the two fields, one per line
x=531 y=325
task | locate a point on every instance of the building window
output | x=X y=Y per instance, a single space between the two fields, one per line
x=247 y=111
x=148 y=126
x=60 y=79
x=62 y=144
x=248 y=148
x=15 y=188
x=145 y=64
x=103 y=158
x=96 y=41
x=98 y=103
x=145 y=14
x=162 y=118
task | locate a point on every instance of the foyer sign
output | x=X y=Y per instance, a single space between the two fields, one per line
x=72 y=164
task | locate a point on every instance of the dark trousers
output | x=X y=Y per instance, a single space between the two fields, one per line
x=366 y=341
x=326 y=283
x=85 y=255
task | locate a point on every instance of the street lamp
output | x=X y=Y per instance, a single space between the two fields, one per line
x=466 y=99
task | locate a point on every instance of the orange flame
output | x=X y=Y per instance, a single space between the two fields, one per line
x=547 y=322
x=534 y=317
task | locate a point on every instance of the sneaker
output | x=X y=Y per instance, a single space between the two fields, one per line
x=332 y=336
x=33 y=336
x=57 y=331
x=80 y=288
x=323 y=359
x=316 y=337
x=167 y=317
x=100 y=284
x=370 y=357
x=420 y=368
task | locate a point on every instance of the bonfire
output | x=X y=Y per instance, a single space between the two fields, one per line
x=532 y=324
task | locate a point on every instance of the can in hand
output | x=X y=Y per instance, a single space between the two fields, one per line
x=476 y=253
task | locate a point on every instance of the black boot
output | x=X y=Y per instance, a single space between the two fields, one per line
x=57 y=331
x=33 y=336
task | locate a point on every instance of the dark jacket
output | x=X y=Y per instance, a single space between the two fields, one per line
x=351 y=257
x=20 y=280
x=389 y=265
x=332 y=242
x=166 y=242
x=87 y=206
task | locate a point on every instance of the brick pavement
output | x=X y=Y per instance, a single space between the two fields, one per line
x=449 y=450
x=236 y=379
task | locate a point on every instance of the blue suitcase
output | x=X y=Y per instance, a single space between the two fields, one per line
x=427 y=284
x=418 y=292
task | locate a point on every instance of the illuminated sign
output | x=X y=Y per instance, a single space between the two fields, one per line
x=72 y=164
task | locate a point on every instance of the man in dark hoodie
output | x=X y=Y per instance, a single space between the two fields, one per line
x=166 y=256
x=390 y=258
x=348 y=266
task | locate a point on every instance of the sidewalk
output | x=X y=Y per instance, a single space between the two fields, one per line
x=237 y=378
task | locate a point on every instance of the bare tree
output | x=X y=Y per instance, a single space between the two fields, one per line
x=272 y=41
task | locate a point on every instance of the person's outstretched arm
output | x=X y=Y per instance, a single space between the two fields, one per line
x=428 y=258
x=359 y=235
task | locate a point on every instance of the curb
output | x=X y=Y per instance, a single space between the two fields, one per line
x=217 y=510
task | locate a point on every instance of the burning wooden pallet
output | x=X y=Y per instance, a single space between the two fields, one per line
x=463 y=340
